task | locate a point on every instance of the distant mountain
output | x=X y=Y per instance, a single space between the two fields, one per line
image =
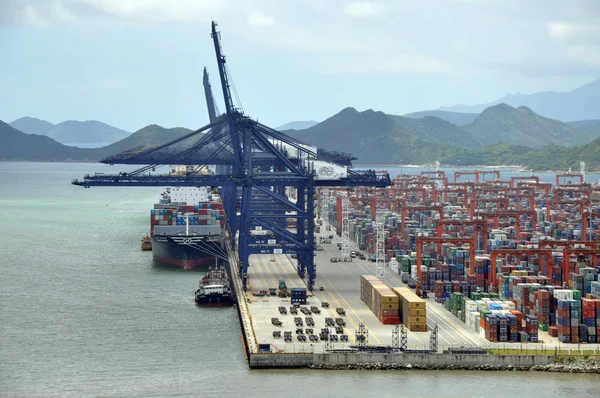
x=31 y=125
x=90 y=134
x=522 y=126
x=299 y=125
x=436 y=130
x=589 y=128
x=148 y=136
x=460 y=119
x=373 y=137
x=579 y=104
x=16 y=145
x=511 y=136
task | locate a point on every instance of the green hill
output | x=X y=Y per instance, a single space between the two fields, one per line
x=589 y=128
x=521 y=126
x=434 y=129
x=148 y=136
x=373 y=137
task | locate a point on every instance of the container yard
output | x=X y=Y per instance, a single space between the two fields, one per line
x=486 y=264
x=509 y=259
x=480 y=278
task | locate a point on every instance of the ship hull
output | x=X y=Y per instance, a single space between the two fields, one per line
x=214 y=301
x=185 y=252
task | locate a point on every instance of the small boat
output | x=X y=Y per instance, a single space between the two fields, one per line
x=146 y=243
x=215 y=288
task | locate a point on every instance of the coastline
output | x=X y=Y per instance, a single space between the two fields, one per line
x=504 y=167
x=560 y=365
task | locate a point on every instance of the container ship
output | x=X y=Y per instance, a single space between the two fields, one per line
x=215 y=288
x=186 y=227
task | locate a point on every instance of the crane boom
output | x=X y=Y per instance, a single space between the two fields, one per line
x=235 y=138
x=210 y=103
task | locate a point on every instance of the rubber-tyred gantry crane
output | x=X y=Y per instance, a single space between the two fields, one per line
x=255 y=164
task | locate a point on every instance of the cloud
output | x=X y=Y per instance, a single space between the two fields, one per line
x=32 y=17
x=377 y=63
x=364 y=9
x=461 y=36
x=258 y=18
x=559 y=31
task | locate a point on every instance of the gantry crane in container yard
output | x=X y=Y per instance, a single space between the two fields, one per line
x=476 y=173
x=254 y=166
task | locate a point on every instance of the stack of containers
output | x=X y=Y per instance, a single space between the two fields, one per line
x=589 y=275
x=472 y=320
x=563 y=320
x=595 y=289
x=412 y=309
x=457 y=303
x=542 y=308
x=490 y=326
x=531 y=327
x=513 y=327
x=574 y=315
x=366 y=288
x=439 y=291
x=502 y=328
x=597 y=320
x=386 y=305
x=380 y=298
x=469 y=306
x=482 y=265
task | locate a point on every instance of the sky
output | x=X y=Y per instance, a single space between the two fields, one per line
x=130 y=63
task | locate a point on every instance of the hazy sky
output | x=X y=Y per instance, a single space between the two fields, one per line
x=131 y=63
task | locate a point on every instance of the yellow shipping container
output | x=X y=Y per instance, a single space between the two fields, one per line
x=389 y=306
x=420 y=327
x=412 y=312
x=414 y=301
x=416 y=319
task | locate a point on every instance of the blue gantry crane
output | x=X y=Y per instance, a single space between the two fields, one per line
x=267 y=179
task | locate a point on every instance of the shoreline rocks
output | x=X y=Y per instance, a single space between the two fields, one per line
x=562 y=365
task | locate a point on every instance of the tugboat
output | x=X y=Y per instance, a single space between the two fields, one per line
x=146 y=243
x=215 y=288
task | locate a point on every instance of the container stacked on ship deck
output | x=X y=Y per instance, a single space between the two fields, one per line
x=180 y=214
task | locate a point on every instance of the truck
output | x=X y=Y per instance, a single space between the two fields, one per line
x=283 y=291
x=298 y=296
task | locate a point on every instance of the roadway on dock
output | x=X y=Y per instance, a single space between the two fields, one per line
x=341 y=281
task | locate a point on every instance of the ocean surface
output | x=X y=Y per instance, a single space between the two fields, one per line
x=83 y=312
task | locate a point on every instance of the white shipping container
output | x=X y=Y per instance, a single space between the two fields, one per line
x=470 y=306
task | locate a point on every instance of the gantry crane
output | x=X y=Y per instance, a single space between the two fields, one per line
x=254 y=166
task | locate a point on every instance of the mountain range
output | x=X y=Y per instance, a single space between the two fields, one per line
x=497 y=134
x=16 y=145
x=579 y=104
x=87 y=134
x=501 y=134
x=297 y=125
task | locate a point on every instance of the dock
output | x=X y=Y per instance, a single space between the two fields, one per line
x=341 y=289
